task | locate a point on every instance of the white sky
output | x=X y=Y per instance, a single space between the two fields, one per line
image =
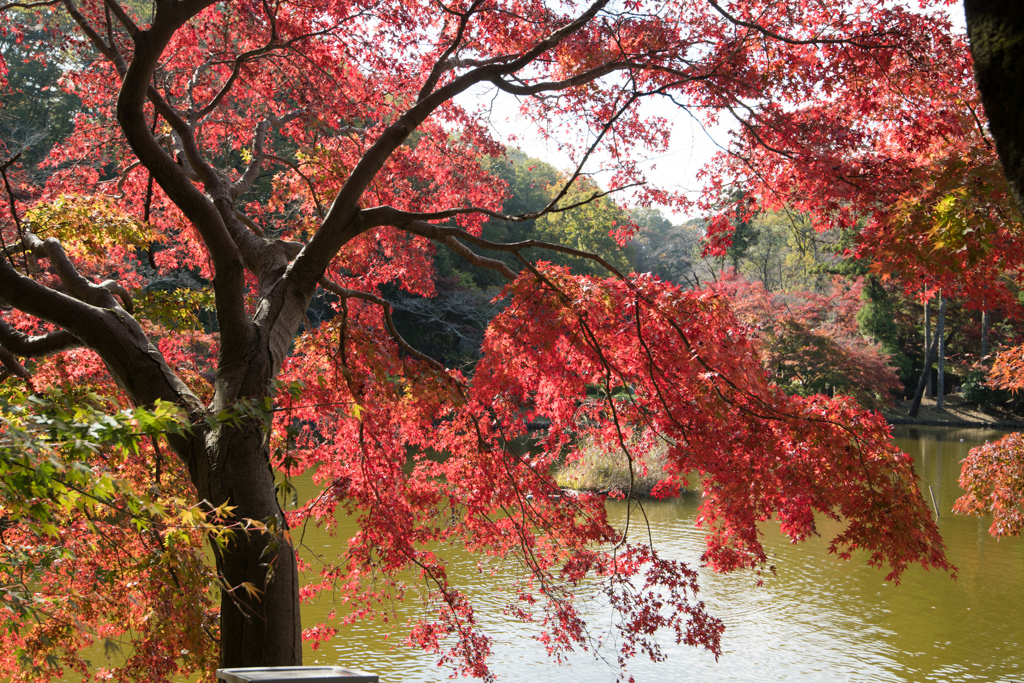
x=692 y=145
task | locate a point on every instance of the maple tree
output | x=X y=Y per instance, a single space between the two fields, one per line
x=234 y=163
x=811 y=343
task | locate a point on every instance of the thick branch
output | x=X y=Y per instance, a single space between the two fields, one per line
x=123 y=18
x=211 y=223
x=343 y=221
x=386 y=215
x=19 y=343
x=77 y=285
x=134 y=363
x=478 y=260
x=572 y=82
x=12 y=365
x=108 y=51
x=119 y=290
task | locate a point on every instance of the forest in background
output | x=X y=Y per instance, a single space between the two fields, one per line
x=825 y=320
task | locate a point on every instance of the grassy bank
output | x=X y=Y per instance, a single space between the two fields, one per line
x=602 y=470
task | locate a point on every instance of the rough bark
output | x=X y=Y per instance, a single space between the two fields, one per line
x=996 y=30
x=265 y=629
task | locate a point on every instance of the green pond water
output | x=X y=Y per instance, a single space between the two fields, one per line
x=817 y=619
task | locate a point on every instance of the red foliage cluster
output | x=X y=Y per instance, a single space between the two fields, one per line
x=993 y=477
x=879 y=144
x=629 y=365
x=811 y=343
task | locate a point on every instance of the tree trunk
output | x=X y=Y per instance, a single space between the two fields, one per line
x=986 y=320
x=940 y=337
x=996 y=30
x=928 y=340
x=261 y=628
x=929 y=358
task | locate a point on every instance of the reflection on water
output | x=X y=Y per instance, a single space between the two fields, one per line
x=817 y=619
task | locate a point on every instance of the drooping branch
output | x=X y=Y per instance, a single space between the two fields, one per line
x=733 y=19
x=387 y=215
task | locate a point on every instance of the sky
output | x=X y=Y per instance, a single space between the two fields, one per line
x=692 y=144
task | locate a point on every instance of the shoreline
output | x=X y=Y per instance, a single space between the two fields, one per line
x=955 y=412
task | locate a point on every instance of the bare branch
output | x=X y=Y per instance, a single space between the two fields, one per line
x=386 y=215
x=108 y=51
x=478 y=260
x=441 y=65
x=124 y=177
x=249 y=223
x=757 y=136
x=29 y=5
x=236 y=71
x=441 y=233
x=123 y=18
x=117 y=289
x=10 y=190
x=572 y=82
x=309 y=183
x=795 y=41
x=272 y=45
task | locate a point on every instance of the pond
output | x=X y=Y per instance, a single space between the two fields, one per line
x=816 y=619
